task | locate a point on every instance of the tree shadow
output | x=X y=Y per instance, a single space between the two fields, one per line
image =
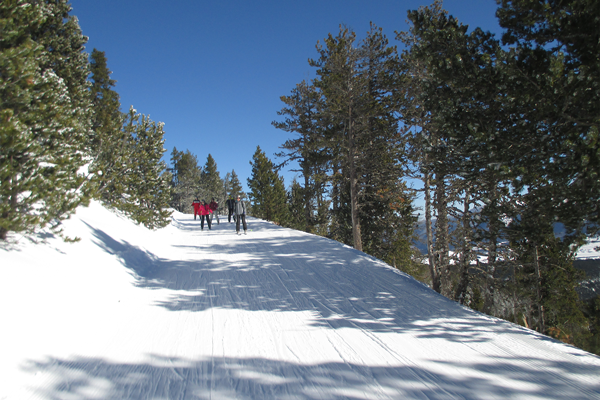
x=260 y=378
x=346 y=288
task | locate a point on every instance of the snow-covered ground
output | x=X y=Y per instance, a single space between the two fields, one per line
x=180 y=313
x=590 y=250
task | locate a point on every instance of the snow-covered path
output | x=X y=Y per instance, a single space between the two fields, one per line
x=182 y=313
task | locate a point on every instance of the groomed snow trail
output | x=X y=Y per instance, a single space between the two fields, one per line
x=182 y=313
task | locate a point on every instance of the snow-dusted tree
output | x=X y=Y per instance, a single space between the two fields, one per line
x=44 y=115
x=147 y=191
x=110 y=143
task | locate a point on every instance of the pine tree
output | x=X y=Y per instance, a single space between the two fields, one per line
x=186 y=180
x=297 y=204
x=343 y=88
x=211 y=181
x=44 y=115
x=555 y=71
x=267 y=191
x=146 y=183
x=235 y=186
x=303 y=117
x=452 y=82
x=109 y=145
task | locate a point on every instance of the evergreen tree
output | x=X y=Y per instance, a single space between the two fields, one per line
x=343 y=88
x=44 y=115
x=186 y=180
x=146 y=183
x=302 y=116
x=452 y=95
x=297 y=205
x=109 y=144
x=211 y=181
x=556 y=74
x=267 y=191
x=483 y=120
x=235 y=186
x=107 y=115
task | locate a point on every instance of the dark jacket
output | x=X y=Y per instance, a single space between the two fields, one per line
x=240 y=207
x=230 y=204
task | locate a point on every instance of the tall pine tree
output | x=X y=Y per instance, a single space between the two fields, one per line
x=44 y=115
x=267 y=191
x=109 y=144
x=211 y=181
x=146 y=189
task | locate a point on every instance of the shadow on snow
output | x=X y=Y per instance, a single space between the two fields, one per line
x=259 y=378
x=347 y=288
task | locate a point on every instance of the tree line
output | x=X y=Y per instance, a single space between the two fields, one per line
x=190 y=181
x=503 y=135
x=63 y=137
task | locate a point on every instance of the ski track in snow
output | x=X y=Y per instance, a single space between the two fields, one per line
x=181 y=313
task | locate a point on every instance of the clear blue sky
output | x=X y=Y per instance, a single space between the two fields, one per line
x=213 y=71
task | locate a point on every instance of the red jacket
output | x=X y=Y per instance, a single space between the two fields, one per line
x=196 y=204
x=205 y=209
x=214 y=205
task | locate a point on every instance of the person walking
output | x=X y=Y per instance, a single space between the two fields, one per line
x=196 y=204
x=214 y=206
x=205 y=211
x=240 y=213
x=230 y=207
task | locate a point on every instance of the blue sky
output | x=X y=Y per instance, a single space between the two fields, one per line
x=213 y=71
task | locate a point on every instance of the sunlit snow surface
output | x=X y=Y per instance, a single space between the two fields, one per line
x=180 y=313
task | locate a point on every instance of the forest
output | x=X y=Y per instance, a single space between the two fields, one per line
x=502 y=133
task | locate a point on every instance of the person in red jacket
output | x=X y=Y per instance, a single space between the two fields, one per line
x=205 y=212
x=214 y=206
x=196 y=204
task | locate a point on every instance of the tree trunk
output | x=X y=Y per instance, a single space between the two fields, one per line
x=536 y=262
x=307 y=198
x=442 y=245
x=461 y=288
x=353 y=186
x=435 y=281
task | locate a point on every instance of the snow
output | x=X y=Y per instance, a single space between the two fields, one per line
x=180 y=313
x=590 y=250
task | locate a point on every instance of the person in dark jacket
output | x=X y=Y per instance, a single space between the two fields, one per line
x=205 y=211
x=240 y=213
x=231 y=208
x=196 y=204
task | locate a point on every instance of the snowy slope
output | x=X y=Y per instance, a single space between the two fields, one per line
x=179 y=313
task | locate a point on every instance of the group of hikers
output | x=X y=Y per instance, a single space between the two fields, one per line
x=236 y=208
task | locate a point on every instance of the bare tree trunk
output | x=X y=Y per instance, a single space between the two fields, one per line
x=536 y=262
x=461 y=288
x=442 y=245
x=353 y=185
x=307 y=202
x=435 y=281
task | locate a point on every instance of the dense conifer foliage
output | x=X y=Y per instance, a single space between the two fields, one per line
x=504 y=140
x=500 y=143
x=211 y=181
x=63 y=138
x=350 y=149
x=44 y=115
x=267 y=190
